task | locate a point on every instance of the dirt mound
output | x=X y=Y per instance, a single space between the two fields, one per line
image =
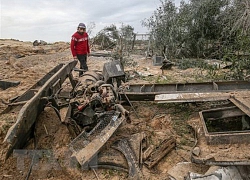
x=14 y=49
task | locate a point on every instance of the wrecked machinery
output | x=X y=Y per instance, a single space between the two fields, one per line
x=95 y=112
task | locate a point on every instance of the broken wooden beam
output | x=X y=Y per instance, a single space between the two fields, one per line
x=165 y=147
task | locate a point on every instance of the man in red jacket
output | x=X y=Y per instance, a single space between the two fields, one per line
x=80 y=46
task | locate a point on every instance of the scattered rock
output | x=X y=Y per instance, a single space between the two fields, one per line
x=43 y=42
x=196 y=151
x=37 y=43
x=20 y=55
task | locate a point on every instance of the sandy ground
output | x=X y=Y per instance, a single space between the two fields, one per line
x=20 y=61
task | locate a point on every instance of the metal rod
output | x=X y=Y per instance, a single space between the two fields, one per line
x=95 y=173
x=131 y=106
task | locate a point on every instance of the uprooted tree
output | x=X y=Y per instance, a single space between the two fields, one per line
x=111 y=36
x=118 y=39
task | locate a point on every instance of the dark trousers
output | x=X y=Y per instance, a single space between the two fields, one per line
x=83 y=62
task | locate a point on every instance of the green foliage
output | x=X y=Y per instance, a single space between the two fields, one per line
x=191 y=63
x=198 y=27
x=190 y=26
x=162 y=27
x=240 y=67
x=117 y=39
x=104 y=41
x=202 y=29
x=111 y=36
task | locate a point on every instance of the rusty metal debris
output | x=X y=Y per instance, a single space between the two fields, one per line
x=132 y=149
x=164 y=148
x=18 y=102
x=192 y=97
x=218 y=173
x=221 y=127
x=18 y=135
x=124 y=154
x=147 y=92
x=86 y=145
x=213 y=162
x=225 y=125
x=138 y=142
x=94 y=114
x=242 y=101
x=134 y=169
x=7 y=84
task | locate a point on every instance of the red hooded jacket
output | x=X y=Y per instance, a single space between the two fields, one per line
x=79 y=44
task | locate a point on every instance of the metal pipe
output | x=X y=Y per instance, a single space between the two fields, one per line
x=124 y=112
x=112 y=87
x=99 y=83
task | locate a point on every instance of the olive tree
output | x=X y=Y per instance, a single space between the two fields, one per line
x=163 y=28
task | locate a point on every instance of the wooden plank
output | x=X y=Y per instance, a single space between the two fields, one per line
x=165 y=147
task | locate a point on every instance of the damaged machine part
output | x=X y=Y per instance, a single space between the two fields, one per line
x=225 y=125
x=94 y=113
x=147 y=92
x=222 y=126
x=164 y=148
x=134 y=169
x=7 y=84
x=87 y=145
x=221 y=173
x=18 y=135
